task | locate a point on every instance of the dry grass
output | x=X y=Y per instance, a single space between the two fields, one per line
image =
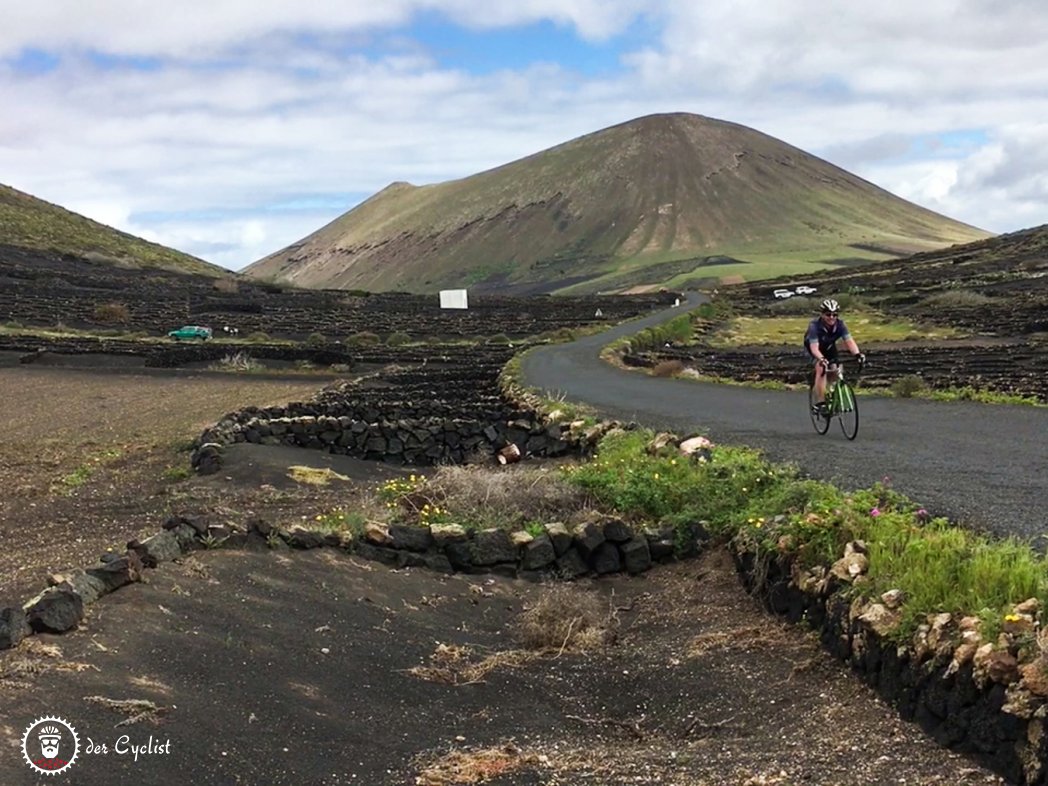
x=762 y=635
x=31 y=658
x=454 y=665
x=509 y=498
x=135 y=710
x=313 y=476
x=667 y=368
x=477 y=766
x=567 y=619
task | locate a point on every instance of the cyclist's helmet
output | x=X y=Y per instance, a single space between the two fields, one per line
x=831 y=306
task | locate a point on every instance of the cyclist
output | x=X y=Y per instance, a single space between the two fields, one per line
x=820 y=342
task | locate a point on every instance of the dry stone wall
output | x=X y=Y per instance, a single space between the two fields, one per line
x=447 y=411
x=39 y=288
x=970 y=696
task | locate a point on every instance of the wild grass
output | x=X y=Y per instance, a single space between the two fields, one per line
x=983 y=396
x=866 y=326
x=943 y=568
x=237 y=361
x=339 y=521
x=957 y=298
x=34 y=223
x=478 y=498
x=566 y=619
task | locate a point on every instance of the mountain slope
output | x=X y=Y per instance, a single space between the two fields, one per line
x=606 y=207
x=28 y=222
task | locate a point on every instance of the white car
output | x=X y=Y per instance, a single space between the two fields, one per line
x=804 y=289
x=782 y=293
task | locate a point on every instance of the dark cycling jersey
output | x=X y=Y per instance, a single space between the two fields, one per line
x=826 y=336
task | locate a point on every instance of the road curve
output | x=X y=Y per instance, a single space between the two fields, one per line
x=984 y=466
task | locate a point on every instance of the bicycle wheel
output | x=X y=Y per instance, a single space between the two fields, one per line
x=822 y=425
x=848 y=411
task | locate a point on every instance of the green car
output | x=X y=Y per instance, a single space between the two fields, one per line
x=191 y=332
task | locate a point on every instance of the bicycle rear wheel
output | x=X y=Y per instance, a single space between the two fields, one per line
x=822 y=425
x=848 y=411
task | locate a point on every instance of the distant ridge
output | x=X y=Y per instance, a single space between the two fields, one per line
x=32 y=223
x=645 y=202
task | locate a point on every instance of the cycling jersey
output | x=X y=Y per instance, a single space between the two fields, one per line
x=826 y=336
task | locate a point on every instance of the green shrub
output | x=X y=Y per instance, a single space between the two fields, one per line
x=316 y=340
x=908 y=386
x=498 y=338
x=258 y=337
x=112 y=313
x=362 y=339
x=397 y=339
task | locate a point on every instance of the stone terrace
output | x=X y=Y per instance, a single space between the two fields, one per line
x=41 y=289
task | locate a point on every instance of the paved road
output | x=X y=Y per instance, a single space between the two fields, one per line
x=984 y=466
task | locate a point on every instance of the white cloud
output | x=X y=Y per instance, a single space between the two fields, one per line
x=245 y=106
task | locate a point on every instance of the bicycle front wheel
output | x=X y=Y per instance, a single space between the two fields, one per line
x=849 y=411
x=822 y=425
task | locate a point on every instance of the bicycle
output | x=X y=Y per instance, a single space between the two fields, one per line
x=841 y=403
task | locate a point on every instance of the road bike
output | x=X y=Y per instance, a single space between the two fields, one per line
x=841 y=402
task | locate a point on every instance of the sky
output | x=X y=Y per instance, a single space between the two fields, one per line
x=229 y=129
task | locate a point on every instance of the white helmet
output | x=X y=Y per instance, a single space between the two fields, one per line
x=830 y=305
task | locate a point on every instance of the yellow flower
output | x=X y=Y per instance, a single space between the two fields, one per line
x=656 y=476
x=1011 y=618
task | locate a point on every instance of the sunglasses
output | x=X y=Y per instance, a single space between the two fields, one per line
x=830 y=314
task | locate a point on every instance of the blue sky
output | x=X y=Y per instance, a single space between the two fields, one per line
x=229 y=129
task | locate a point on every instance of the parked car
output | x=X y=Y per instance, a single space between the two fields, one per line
x=804 y=289
x=783 y=293
x=191 y=333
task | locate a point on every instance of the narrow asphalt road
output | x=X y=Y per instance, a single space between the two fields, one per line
x=984 y=466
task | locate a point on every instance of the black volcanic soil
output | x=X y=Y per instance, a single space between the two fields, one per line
x=293 y=668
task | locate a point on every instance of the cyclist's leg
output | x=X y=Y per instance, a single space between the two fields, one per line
x=829 y=374
x=818 y=379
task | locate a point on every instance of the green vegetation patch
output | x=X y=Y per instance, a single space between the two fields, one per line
x=866 y=326
x=773 y=511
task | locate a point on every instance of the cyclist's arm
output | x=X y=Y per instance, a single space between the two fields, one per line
x=851 y=346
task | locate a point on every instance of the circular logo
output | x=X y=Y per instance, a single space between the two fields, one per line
x=50 y=745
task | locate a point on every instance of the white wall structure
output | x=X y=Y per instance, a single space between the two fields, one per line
x=453 y=298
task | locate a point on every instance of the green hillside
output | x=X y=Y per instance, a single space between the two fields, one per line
x=28 y=222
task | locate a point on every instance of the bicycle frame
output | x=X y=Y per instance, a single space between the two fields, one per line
x=840 y=395
x=840 y=403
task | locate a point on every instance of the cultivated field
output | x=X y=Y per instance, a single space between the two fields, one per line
x=90 y=459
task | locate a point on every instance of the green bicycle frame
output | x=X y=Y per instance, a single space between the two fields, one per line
x=841 y=398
